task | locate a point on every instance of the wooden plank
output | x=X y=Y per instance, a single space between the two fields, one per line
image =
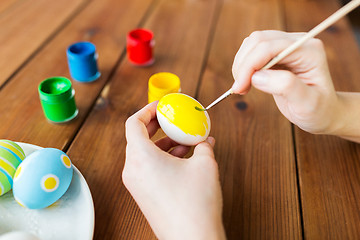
x=105 y=23
x=254 y=145
x=7 y=4
x=181 y=30
x=27 y=26
x=329 y=167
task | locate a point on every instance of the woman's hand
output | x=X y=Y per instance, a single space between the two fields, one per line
x=181 y=198
x=302 y=88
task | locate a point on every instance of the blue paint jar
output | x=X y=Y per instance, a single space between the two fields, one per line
x=82 y=61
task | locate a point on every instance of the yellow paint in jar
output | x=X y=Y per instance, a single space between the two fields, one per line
x=162 y=83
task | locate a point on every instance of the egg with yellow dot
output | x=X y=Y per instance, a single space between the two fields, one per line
x=181 y=121
x=42 y=178
x=11 y=155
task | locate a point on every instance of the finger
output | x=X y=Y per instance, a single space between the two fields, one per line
x=264 y=48
x=136 y=124
x=251 y=42
x=255 y=60
x=180 y=151
x=283 y=83
x=166 y=144
x=152 y=127
x=205 y=148
x=211 y=141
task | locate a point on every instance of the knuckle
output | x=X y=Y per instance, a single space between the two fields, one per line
x=257 y=36
x=234 y=69
x=125 y=176
x=129 y=179
x=234 y=72
x=265 y=48
x=129 y=121
x=131 y=166
x=317 y=48
x=245 y=41
x=316 y=43
x=274 y=32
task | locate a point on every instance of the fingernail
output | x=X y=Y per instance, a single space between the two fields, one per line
x=235 y=87
x=259 y=78
x=211 y=141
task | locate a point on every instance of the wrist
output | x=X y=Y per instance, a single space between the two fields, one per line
x=209 y=228
x=336 y=118
x=212 y=232
x=346 y=122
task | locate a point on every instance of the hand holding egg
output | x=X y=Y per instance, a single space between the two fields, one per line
x=180 y=121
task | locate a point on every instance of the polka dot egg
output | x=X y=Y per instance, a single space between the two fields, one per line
x=11 y=155
x=42 y=178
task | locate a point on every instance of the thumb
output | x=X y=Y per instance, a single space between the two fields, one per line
x=280 y=82
x=205 y=148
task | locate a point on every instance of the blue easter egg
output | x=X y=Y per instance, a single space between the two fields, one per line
x=42 y=178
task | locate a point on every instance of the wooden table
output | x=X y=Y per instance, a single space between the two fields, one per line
x=278 y=182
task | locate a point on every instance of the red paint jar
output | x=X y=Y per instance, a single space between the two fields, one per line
x=140 y=44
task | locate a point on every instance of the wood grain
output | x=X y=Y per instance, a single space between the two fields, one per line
x=329 y=168
x=5 y=5
x=269 y=192
x=26 y=25
x=253 y=141
x=105 y=23
x=181 y=30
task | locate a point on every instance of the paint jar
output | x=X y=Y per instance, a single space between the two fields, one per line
x=57 y=99
x=140 y=45
x=82 y=61
x=162 y=83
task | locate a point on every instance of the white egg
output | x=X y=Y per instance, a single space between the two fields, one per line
x=180 y=121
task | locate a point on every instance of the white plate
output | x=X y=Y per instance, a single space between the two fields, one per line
x=71 y=217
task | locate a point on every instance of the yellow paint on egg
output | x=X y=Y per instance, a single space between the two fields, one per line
x=17 y=173
x=50 y=183
x=180 y=110
x=20 y=203
x=7 y=166
x=1 y=189
x=13 y=147
x=66 y=161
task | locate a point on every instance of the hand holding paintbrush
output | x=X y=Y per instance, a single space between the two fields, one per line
x=300 y=41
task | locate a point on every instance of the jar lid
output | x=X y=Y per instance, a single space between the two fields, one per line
x=140 y=35
x=163 y=83
x=81 y=50
x=55 y=89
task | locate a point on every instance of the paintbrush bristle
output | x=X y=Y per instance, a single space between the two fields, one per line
x=199 y=109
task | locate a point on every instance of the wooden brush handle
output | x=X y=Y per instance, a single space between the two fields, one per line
x=316 y=30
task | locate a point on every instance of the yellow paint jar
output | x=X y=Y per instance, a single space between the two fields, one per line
x=162 y=83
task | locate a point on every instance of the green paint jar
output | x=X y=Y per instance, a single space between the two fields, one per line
x=57 y=99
